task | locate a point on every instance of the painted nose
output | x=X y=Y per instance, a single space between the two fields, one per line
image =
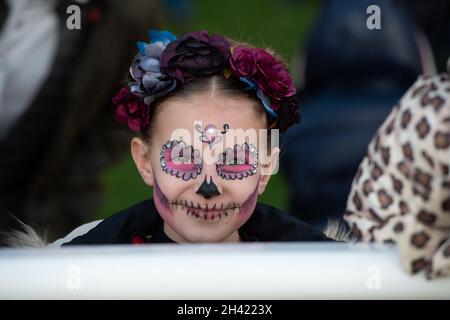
x=208 y=189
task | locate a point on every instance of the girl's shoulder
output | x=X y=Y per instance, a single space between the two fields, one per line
x=271 y=224
x=121 y=227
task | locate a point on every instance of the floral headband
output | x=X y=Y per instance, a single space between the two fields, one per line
x=167 y=62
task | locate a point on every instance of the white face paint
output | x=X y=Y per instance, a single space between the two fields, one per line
x=208 y=206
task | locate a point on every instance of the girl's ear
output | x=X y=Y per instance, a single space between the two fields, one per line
x=267 y=170
x=141 y=157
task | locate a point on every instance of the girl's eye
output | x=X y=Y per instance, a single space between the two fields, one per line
x=180 y=160
x=233 y=161
x=237 y=163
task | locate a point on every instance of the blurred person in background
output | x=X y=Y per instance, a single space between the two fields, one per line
x=55 y=104
x=433 y=17
x=352 y=77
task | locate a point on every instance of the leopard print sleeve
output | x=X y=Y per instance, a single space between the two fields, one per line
x=401 y=192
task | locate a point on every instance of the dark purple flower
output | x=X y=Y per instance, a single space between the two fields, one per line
x=131 y=110
x=195 y=54
x=288 y=113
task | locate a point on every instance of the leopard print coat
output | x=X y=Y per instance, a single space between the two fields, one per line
x=401 y=192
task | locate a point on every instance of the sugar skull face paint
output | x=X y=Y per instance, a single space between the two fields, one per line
x=211 y=134
x=238 y=162
x=180 y=160
x=188 y=218
x=206 y=211
x=177 y=201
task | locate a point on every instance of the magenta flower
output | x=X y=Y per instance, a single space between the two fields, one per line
x=262 y=68
x=243 y=62
x=131 y=110
x=272 y=82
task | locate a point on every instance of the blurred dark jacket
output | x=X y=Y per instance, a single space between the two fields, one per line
x=50 y=161
x=352 y=78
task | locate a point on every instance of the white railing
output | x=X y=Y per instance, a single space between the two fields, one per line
x=242 y=271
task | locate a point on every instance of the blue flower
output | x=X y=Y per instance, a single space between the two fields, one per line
x=164 y=37
x=149 y=82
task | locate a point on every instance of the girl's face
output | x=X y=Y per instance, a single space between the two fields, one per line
x=205 y=181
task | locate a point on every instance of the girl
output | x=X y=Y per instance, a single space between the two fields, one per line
x=206 y=111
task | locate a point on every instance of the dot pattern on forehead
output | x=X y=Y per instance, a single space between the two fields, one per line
x=211 y=134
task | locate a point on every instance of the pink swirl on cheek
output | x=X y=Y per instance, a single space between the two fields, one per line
x=248 y=206
x=162 y=204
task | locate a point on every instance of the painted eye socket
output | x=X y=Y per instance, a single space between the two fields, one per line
x=180 y=160
x=238 y=162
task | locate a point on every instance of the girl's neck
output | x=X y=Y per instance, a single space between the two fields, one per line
x=234 y=237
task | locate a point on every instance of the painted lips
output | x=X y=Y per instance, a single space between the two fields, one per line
x=215 y=213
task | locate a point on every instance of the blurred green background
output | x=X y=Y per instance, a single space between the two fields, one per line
x=280 y=25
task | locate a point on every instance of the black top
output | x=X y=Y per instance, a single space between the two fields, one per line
x=141 y=223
